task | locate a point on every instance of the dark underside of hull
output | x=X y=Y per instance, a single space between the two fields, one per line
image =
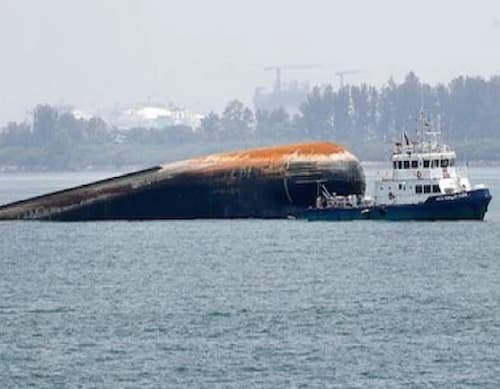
x=189 y=197
x=234 y=194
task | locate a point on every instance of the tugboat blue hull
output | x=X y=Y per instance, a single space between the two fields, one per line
x=470 y=205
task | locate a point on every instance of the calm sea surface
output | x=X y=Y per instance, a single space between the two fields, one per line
x=248 y=303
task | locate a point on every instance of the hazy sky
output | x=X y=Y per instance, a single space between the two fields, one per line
x=92 y=53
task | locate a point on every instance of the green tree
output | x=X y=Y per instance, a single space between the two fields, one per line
x=211 y=126
x=274 y=125
x=237 y=121
x=16 y=134
x=44 y=124
x=317 y=114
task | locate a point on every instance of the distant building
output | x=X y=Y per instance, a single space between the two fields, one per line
x=76 y=112
x=289 y=96
x=153 y=116
x=80 y=114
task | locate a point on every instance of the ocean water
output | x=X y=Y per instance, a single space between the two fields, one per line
x=248 y=303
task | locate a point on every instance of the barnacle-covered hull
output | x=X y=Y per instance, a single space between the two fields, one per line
x=261 y=183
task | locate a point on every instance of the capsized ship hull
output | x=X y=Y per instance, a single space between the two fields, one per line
x=269 y=182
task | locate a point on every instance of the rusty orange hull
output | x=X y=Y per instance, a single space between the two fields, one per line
x=262 y=183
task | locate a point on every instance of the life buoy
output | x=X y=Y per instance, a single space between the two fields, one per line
x=419 y=174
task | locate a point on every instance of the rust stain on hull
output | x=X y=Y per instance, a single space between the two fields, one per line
x=271 y=157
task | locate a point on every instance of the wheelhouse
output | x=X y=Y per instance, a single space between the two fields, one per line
x=421 y=168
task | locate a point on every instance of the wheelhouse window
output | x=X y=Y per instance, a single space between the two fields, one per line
x=435 y=189
x=427 y=189
x=444 y=163
x=435 y=163
x=426 y=163
x=418 y=188
x=414 y=164
x=406 y=164
x=395 y=165
x=400 y=165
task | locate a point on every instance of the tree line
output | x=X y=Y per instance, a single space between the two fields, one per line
x=365 y=117
x=368 y=118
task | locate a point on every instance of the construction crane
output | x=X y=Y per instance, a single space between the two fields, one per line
x=343 y=73
x=279 y=68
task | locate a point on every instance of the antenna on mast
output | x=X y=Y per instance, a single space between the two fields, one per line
x=422 y=99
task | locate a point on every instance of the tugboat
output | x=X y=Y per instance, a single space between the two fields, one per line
x=424 y=184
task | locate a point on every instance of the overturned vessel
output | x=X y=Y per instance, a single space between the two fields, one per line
x=271 y=182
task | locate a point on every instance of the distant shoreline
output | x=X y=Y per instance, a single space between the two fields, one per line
x=8 y=170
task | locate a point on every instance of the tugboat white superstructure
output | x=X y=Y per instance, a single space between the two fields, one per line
x=424 y=184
